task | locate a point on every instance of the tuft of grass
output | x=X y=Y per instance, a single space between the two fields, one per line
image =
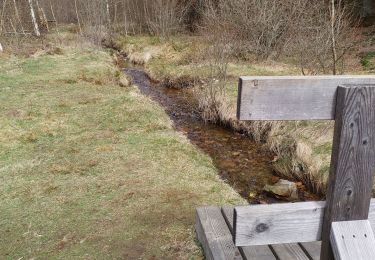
x=367 y=61
x=92 y=170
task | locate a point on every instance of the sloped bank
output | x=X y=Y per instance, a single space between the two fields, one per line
x=301 y=149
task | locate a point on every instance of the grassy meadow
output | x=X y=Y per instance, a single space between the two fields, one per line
x=92 y=170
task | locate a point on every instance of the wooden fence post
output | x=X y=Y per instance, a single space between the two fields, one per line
x=353 y=160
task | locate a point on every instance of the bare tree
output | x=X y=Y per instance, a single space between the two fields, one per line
x=2 y=16
x=77 y=15
x=18 y=16
x=32 y=13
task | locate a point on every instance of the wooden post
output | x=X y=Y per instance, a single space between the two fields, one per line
x=353 y=160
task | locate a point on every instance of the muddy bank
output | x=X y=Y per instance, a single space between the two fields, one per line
x=240 y=161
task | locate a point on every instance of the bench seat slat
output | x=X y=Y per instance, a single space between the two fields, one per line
x=214 y=235
x=289 y=251
x=262 y=252
x=312 y=249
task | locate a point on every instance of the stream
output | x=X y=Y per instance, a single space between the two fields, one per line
x=241 y=162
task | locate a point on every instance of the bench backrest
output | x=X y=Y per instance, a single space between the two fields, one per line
x=292 y=97
x=350 y=101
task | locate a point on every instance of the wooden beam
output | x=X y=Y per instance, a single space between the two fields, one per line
x=214 y=235
x=289 y=251
x=353 y=240
x=282 y=223
x=262 y=252
x=353 y=160
x=291 y=97
x=312 y=249
x=278 y=223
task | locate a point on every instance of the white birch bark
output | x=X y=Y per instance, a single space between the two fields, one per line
x=36 y=27
x=78 y=20
x=2 y=17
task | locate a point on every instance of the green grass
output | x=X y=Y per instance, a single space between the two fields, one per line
x=89 y=170
x=367 y=61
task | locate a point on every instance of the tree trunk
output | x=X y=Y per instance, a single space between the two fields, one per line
x=18 y=16
x=2 y=17
x=78 y=21
x=333 y=37
x=108 y=14
x=53 y=16
x=125 y=18
x=36 y=27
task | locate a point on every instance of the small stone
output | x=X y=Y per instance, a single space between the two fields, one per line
x=252 y=195
x=275 y=179
x=124 y=81
x=283 y=188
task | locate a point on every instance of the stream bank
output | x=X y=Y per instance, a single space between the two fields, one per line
x=241 y=162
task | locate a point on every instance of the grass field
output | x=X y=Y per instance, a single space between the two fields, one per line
x=90 y=170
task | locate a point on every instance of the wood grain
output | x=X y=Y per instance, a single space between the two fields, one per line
x=353 y=160
x=262 y=252
x=312 y=249
x=289 y=252
x=284 y=223
x=283 y=251
x=278 y=223
x=291 y=97
x=214 y=235
x=353 y=240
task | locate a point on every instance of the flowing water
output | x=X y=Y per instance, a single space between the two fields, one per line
x=240 y=161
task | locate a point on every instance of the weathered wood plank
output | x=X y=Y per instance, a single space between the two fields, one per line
x=353 y=240
x=291 y=97
x=283 y=251
x=289 y=252
x=262 y=252
x=214 y=235
x=283 y=223
x=278 y=223
x=312 y=249
x=352 y=163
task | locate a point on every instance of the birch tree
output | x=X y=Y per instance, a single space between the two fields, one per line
x=33 y=18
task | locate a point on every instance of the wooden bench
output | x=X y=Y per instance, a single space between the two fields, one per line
x=338 y=228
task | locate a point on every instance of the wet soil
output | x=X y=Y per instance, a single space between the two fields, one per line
x=240 y=161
